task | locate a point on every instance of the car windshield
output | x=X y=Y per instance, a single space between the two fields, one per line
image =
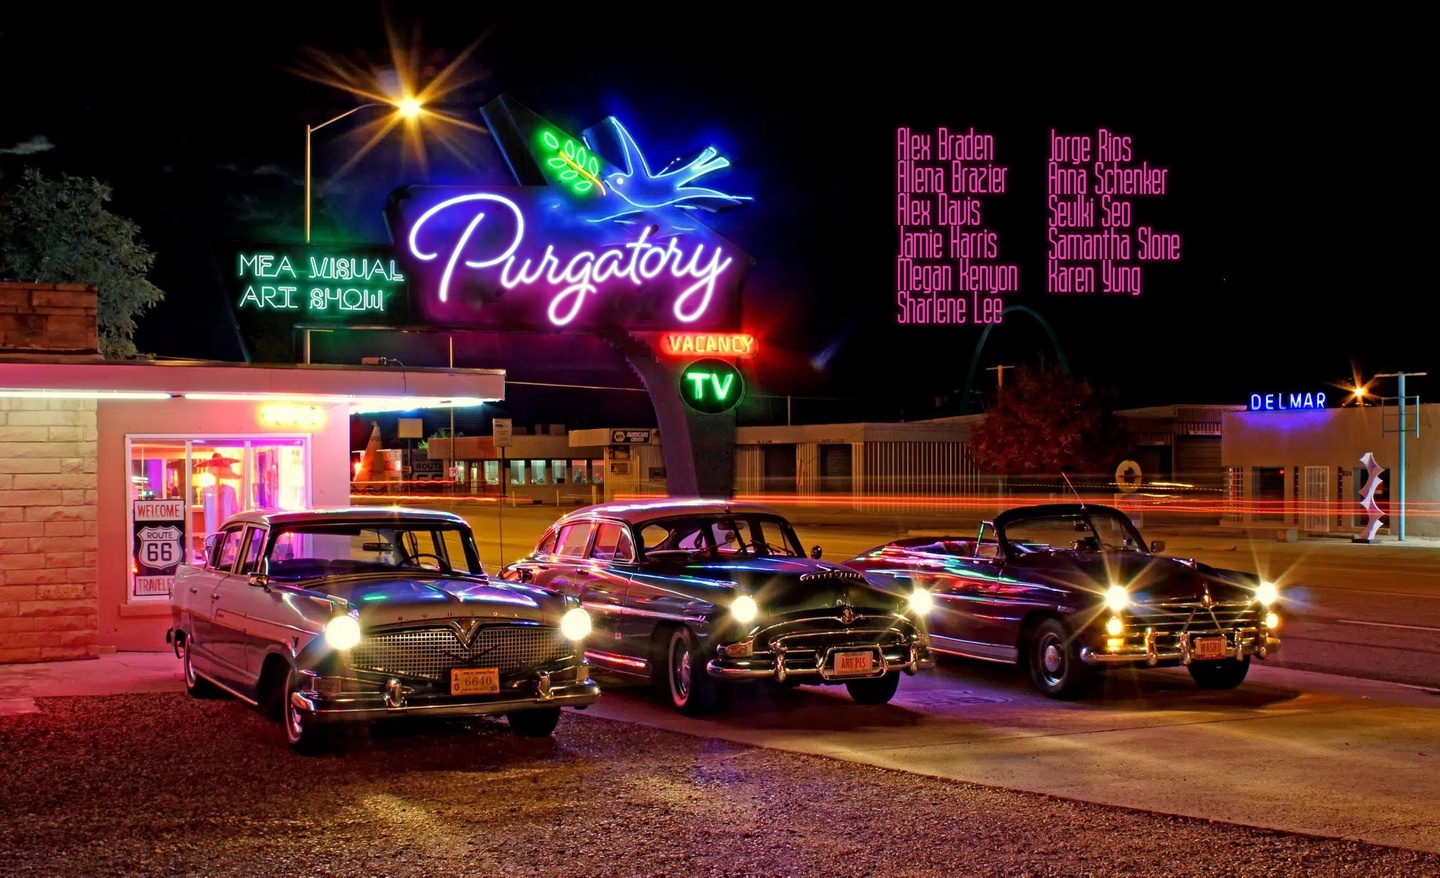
x=320 y=549
x=1083 y=530
x=721 y=535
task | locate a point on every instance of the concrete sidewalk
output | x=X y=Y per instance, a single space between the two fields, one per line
x=120 y=673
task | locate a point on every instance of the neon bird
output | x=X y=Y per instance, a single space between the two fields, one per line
x=643 y=189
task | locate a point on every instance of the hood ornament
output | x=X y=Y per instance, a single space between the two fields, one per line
x=847 y=616
x=465 y=629
x=1205 y=599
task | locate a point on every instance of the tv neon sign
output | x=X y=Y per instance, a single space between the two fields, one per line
x=583 y=272
x=1284 y=402
x=711 y=386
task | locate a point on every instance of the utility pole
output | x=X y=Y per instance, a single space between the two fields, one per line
x=1401 y=428
x=999 y=374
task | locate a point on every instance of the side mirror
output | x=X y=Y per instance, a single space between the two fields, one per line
x=1157 y=546
x=815 y=552
x=260 y=576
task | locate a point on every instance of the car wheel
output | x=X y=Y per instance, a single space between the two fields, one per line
x=1225 y=674
x=534 y=723
x=304 y=736
x=877 y=690
x=692 y=691
x=1055 y=665
x=196 y=685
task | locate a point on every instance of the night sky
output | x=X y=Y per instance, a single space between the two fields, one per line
x=1298 y=180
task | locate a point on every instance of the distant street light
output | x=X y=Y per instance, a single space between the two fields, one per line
x=407 y=107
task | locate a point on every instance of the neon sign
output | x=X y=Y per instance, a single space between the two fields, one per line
x=587 y=237
x=1284 y=402
x=711 y=386
x=729 y=344
x=308 y=417
x=316 y=284
x=583 y=271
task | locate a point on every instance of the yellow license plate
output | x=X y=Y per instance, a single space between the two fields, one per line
x=474 y=681
x=1211 y=648
x=854 y=662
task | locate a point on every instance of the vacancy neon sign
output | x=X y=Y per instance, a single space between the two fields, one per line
x=484 y=233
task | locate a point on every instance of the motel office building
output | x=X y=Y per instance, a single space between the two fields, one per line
x=114 y=472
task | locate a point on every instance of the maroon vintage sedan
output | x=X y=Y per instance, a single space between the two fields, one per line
x=1066 y=589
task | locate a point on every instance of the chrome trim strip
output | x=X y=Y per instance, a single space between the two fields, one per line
x=361 y=711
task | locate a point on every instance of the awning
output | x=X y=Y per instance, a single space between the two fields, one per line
x=366 y=389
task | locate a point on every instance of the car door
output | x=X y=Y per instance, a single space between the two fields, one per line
x=264 y=610
x=603 y=583
x=557 y=564
x=221 y=637
x=966 y=596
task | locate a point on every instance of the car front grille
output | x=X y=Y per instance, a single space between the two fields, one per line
x=1193 y=617
x=431 y=653
x=806 y=640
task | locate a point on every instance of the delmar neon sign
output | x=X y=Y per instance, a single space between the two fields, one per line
x=1284 y=402
x=582 y=241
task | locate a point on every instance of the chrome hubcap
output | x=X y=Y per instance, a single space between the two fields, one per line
x=682 y=673
x=1053 y=659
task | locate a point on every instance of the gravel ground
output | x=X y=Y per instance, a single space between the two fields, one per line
x=168 y=785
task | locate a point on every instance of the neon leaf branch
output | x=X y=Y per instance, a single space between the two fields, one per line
x=576 y=165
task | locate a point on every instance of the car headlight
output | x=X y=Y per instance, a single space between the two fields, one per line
x=1267 y=593
x=575 y=624
x=921 y=601
x=744 y=609
x=1117 y=598
x=342 y=632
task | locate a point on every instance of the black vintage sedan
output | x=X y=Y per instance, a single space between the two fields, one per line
x=693 y=593
x=361 y=614
x=1065 y=589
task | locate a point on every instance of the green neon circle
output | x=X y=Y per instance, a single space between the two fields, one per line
x=711 y=386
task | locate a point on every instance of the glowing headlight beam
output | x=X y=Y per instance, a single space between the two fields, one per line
x=575 y=624
x=1267 y=593
x=1117 y=598
x=744 y=609
x=921 y=601
x=342 y=632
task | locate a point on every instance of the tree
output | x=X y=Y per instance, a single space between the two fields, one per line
x=58 y=231
x=1045 y=421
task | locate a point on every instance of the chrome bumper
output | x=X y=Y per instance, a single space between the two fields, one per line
x=773 y=666
x=395 y=701
x=1238 y=646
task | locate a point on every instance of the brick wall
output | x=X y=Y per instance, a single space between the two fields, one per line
x=49 y=318
x=49 y=600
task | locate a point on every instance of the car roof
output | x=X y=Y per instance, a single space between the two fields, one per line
x=1040 y=510
x=642 y=510
x=275 y=517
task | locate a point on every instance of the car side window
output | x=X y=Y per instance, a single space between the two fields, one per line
x=229 y=548
x=254 y=542
x=547 y=543
x=573 y=540
x=613 y=543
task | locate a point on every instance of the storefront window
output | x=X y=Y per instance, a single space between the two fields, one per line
x=581 y=469
x=537 y=472
x=597 y=472
x=492 y=472
x=182 y=490
x=558 y=467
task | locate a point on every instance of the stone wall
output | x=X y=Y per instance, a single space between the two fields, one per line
x=49 y=318
x=49 y=598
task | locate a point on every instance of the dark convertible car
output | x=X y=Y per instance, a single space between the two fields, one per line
x=1064 y=589
x=691 y=593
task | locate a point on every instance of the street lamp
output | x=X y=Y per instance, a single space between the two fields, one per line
x=407 y=107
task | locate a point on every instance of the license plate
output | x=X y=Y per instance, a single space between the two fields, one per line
x=474 y=681
x=1211 y=648
x=854 y=662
